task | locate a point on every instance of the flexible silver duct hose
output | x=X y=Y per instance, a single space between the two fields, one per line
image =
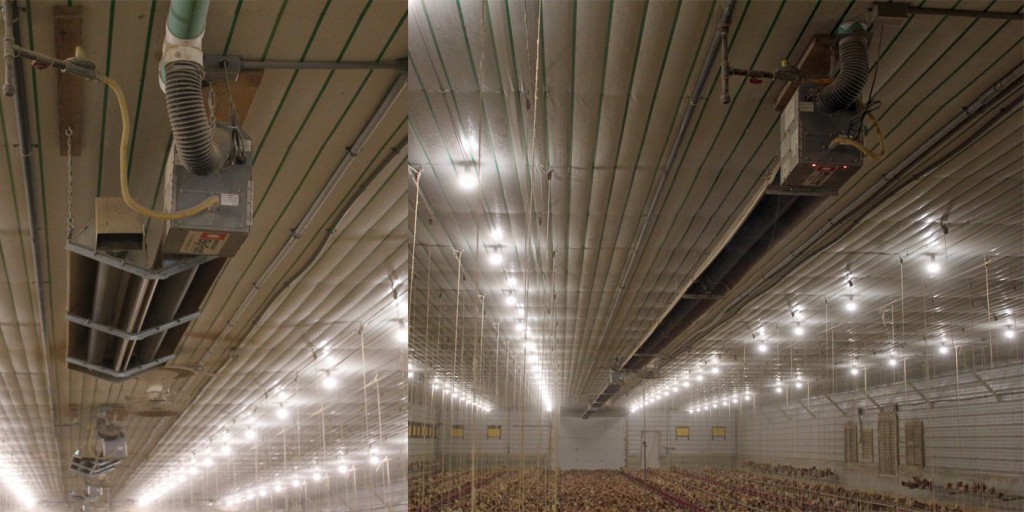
x=845 y=88
x=193 y=137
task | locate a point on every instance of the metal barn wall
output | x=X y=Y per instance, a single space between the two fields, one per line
x=700 y=450
x=594 y=443
x=972 y=430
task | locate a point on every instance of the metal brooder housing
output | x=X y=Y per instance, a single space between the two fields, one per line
x=807 y=163
x=220 y=231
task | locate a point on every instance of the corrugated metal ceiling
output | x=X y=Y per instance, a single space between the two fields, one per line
x=567 y=168
x=301 y=122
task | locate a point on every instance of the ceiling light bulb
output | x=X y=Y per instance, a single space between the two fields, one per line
x=892 y=362
x=225 y=449
x=250 y=433
x=1008 y=333
x=520 y=327
x=686 y=383
x=495 y=258
x=700 y=378
x=207 y=462
x=467 y=180
x=933 y=266
x=746 y=397
x=281 y=412
x=262 y=492
x=532 y=359
x=278 y=488
x=714 y=370
x=296 y=482
x=853 y=370
x=330 y=382
x=799 y=331
x=851 y=305
x=343 y=469
x=402 y=335
x=799 y=384
x=374 y=459
x=735 y=400
x=778 y=389
x=762 y=348
x=943 y=349
x=317 y=477
x=510 y=300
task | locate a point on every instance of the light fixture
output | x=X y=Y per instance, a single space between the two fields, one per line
x=497 y=234
x=851 y=306
x=281 y=412
x=225 y=449
x=296 y=482
x=746 y=397
x=402 y=334
x=374 y=459
x=512 y=282
x=208 y=462
x=778 y=389
x=892 y=361
x=853 y=370
x=700 y=377
x=495 y=258
x=510 y=300
x=799 y=331
x=330 y=382
x=250 y=433
x=262 y=492
x=278 y=488
x=762 y=348
x=799 y=384
x=943 y=349
x=686 y=383
x=317 y=477
x=343 y=469
x=715 y=370
x=467 y=180
x=933 y=266
x=520 y=326
x=1008 y=333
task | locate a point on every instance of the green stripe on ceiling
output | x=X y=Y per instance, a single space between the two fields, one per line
x=316 y=158
x=231 y=30
x=106 y=92
x=142 y=85
x=14 y=194
x=290 y=272
x=295 y=73
x=41 y=171
x=414 y=69
x=316 y=100
x=273 y=31
x=457 y=119
x=465 y=38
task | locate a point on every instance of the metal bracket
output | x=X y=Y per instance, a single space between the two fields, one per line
x=120 y=333
x=115 y=376
x=783 y=190
x=214 y=66
x=175 y=268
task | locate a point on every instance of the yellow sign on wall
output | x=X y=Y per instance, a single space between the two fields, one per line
x=493 y=431
x=717 y=432
x=458 y=432
x=682 y=432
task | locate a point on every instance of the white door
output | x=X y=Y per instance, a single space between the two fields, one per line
x=652 y=449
